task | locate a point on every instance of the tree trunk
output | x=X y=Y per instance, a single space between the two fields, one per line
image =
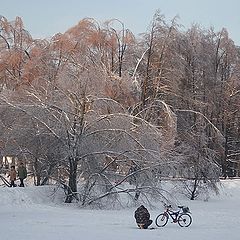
x=72 y=185
x=193 y=193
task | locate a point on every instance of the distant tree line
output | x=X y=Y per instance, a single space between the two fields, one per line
x=96 y=107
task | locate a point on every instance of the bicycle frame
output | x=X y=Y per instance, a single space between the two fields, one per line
x=172 y=214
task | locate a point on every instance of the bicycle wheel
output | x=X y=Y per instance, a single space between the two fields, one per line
x=184 y=220
x=161 y=220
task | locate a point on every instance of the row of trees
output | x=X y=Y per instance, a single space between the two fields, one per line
x=89 y=105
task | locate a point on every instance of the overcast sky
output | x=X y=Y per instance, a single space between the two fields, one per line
x=44 y=18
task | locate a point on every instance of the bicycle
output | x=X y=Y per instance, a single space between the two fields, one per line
x=182 y=216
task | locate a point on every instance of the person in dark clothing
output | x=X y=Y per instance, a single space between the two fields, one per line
x=142 y=217
x=22 y=174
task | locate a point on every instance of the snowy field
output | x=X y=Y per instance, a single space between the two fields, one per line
x=30 y=214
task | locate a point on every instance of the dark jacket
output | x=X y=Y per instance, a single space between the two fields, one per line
x=22 y=172
x=142 y=215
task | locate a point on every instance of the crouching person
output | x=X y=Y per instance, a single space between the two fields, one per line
x=142 y=217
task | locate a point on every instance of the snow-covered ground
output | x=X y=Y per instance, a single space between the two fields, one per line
x=33 y=213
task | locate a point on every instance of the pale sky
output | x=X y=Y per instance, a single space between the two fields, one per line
x=44 y=18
